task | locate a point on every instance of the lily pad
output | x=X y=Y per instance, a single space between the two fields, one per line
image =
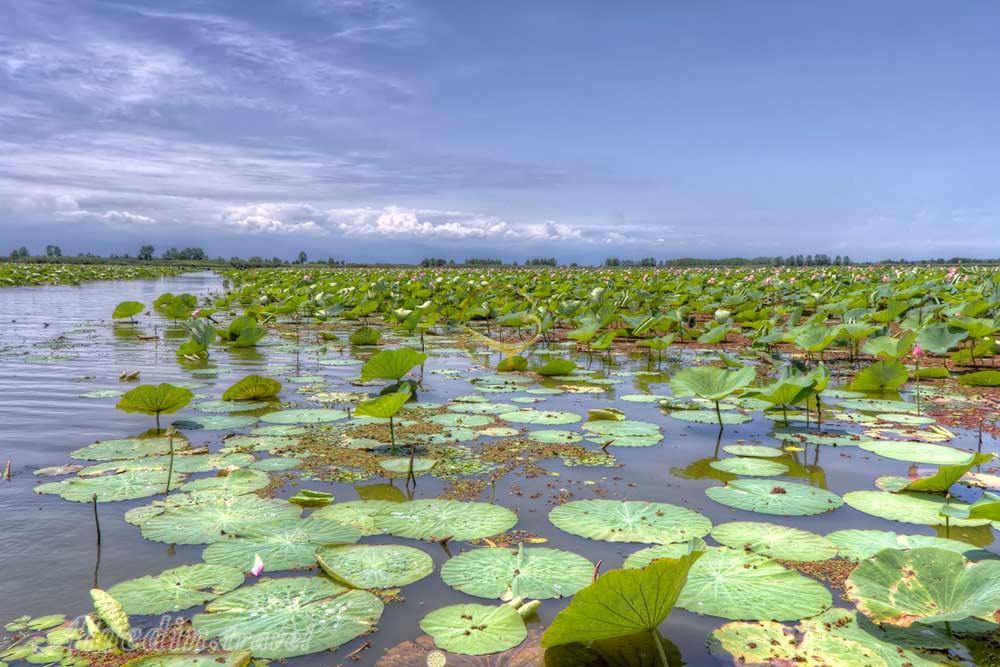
x=235 y=483
x=475 y=629
x=283 y=544
x=304 y=416
x=284 y=618
x=210 y=518
x=919 y=508
x=554 y=436
x=111 y=488
x=430 y=519
x=754 y=467
x=357 y=513
x=624 y=433
x=710 y=416
x=753 y=450
x=128 y=448
x=529 y=572
x=375 y=566
x=629 y=521
x=779 y=497
x=775 y=541
x=176 y=589
x=915 y=452
x=859 y=545
x=531 y=416
x=215 y=422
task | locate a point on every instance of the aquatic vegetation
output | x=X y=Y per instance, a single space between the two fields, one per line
x=252 y=388
x=525 y=572
x=475 y=629
x=162 y=399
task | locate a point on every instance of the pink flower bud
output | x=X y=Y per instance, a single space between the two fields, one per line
x=258 y=565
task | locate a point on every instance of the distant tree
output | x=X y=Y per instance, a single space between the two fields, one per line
x=53 y=251
x=146 y=252
x=303 y=258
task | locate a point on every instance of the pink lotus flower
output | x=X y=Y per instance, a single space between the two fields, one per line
x=258 y=565
x=917 y=352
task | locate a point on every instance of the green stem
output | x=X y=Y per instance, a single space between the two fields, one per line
x=170 y=469
x=718 y=413
x=659 y=647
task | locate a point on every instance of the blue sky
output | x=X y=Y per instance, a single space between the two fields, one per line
x=394 y=130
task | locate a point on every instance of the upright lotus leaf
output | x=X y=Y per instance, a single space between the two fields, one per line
x=512 y=363
x=155 y=400
x=940 y=338
x=769 y=539
x=738 y=585
x=925 y=585
x=525 y=572
x=283 y=544
x=709 y=382
x=433 y=519
x=474 y=629
x=214 y=659
x=987 y=508
x=127 y=309
x=608 y=607
x=555 y=367
x=365 y=336
x=786 y=392
x=770 y=496
x=981 y=379
x=176 y=589
x=383 y=407
x=835 y=638
x=881 y=376
x=252 y=388
x=946 y=476
x=209 y=518
x=374 y=565
x=630 y=521
x=889 y=347
x=111 y=612
x=284 y=618
x=392 y=364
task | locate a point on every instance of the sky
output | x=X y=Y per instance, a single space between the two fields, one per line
x=391 y=130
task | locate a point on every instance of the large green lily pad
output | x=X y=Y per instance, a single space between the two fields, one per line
x=530 y=572
x=375 y=566
x=216 y=659
x=629 y=521
x=531 y=416
x=861 y=544
x=304 y=416
x=750 y=466
x=624 y=433
x=357 y=513
x=127 y=448
x=283 y=544
x=775 y=541
x=110 y=488
x=711 y=417
x=925 y=585
x=176 y=589
x=916 y=452
x=430 y=519
x=284 y=618
x=235 y=483
x=211 y=517
x=919 y=508
x=215 y=422
x=475 y=629
x=769 y=496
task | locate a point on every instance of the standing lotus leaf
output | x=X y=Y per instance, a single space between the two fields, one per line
x=475 y=629
x=375 y=565
x=926 y=585
x=111 y=612
x=252 y=388
x=176 y=589
x=630 y=521
x=392 y=364
x=529 y=572
x=127 y=309
x=773 y=496
x=283 y=544
x=431 y=519
x=162 y=399
x=284 y=618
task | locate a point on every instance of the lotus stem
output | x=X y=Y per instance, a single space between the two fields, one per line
x=170 y=469
x=597 y=569
x=659 y=647
x=97 y=522
x=392 y=435
x=718 y=414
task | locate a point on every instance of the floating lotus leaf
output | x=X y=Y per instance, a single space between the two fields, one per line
x=775 y=541
x=176 y=589
x=210 y=518
x=283 y=544
x=186 y=463
x=753 y=450
x=710 y=416
x=531 y=416
x=629 y=521
x=110 y=488
x=861 y=544
x=215 y=422
x=280 y=430
x=284 y=618
x=216 y=659
x=403 y=464
x=436 y=519
x=740 y=465
x=769 y=496
x=112 y=613
x=925 y=585
x=643 y=557
x=981 y=379
x=229 y=406
x=308 y=498
x=735 y=584
x=643 y=398
x=233 y=484
x=499 y=431
x=835 y=638
x=475 y=629
x=275 y=463
x=468 y=420
x=529 y=572
x=625 y=433
x=832 y=439
x=553 y=436
x=482 y=408
x=128 y=448
x=622 y=602
x=919 y=508
x=916 y=452
x=375 y=566
x=392 y=364
x=905 y=419
x=304 y=416
x=357 y=513
x=878 y=405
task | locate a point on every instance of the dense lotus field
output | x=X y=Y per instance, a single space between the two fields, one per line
x=550 y=467
x=15 y=274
